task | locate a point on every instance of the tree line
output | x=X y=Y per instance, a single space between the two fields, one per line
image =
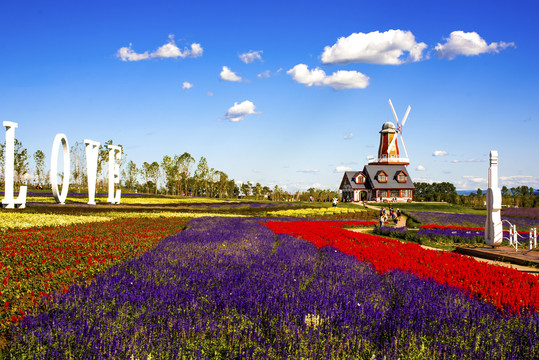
x=173 y=175
x=519 y=196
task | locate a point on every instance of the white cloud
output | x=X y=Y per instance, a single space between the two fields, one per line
x=251 y=56
x=469 y=161
x=338 y=80
x=229 y=75
x=349 y=136
x=264 y=74
x=475 y=179
x=423 y=179
x=340 y=169
x=169 y=50
x=308 y=171
x=186 y=85
x=238 y=112
x=468 y=44
x=386 y=48
x=439 y=153
x=127 y=54
x=420 y=168
x=209 y=93
x=519 y=180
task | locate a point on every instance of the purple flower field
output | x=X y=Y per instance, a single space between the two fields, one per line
x=229 y=288
x=443 y=218
x=456 y=236
x=521 y=212
x=242 y=205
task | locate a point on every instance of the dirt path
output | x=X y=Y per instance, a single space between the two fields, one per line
x=400 y=223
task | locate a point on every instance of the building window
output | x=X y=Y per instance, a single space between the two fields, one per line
x=394 y=193
x=360 y=179
x=401 y=177
x=383 y=193
x=382 y=177
x=406 y=193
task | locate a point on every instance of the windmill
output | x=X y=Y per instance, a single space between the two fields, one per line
x=399 y=126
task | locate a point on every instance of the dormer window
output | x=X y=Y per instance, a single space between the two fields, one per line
x=401 y=177
x=382 y=177
x=360 y=179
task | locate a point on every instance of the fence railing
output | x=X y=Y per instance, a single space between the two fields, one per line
x=514 y=236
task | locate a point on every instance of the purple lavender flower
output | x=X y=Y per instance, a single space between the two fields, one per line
x=231 y=288
x=443 y=218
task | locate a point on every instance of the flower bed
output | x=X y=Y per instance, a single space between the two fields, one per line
x=42 y=262
x=485 y=281
x=233 y=289
x=521 y=212
x=336 y=213
x=469 y=220
x=451 y=234
x=21 y=220
x=392 y=231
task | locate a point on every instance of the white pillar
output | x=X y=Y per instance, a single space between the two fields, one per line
x=515 y=236
x=9 y=201
x=92 y=152
x=493 y=225
x=115 y=155
x=60 y=198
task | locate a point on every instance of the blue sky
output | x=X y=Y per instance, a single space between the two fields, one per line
x=315 y=82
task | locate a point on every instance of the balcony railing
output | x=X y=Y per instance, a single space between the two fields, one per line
x=389 y=160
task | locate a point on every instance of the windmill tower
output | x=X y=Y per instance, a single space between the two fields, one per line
x=388 y=151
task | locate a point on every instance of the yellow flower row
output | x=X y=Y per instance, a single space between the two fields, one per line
x=313 y=212
x=133 y=200
x=17 y=220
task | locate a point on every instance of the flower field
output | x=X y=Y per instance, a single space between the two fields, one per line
x=521 y=212
x=314 y=212
x=20 y=220
x=482 y=280
x=469 y=220
x=37 y=263
x=232 y=288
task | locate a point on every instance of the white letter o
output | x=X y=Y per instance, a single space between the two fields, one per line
x=60 y=138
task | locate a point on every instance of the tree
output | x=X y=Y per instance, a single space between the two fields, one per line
x=169 y=173
x=257 y=190
x=246 y=188
x=21 y=161
x=232 y=190
x=201 y=176
x=130 y=175
x=39 y=159
x=183 y=165
x=150 y=172
x=102 y=159
x=78 y=166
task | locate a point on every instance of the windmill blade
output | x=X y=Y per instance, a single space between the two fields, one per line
x=394 y=113
x=403 y=144
x=406 y=115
